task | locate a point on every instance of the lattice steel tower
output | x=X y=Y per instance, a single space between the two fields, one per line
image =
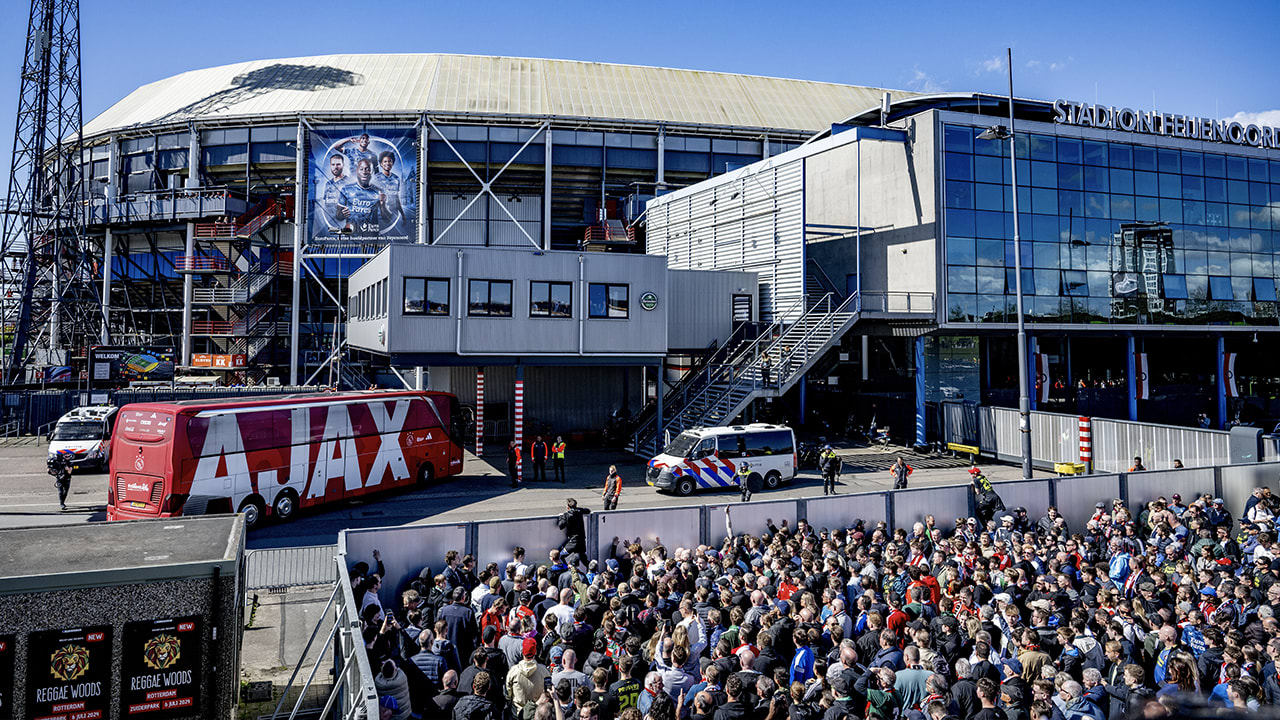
x=50 y=303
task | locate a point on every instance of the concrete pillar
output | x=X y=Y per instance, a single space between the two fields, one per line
x=424 y=137
x=193 y=158
x=518 y=420
x=662 y=159
x=188 y=287
x=1218 y=372
x=920 y=391
x=866 y=357
x=479 y=412
x=299 y=232
x=1131 y=379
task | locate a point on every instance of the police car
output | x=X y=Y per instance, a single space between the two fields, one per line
x=709 y=458
x=84 y=436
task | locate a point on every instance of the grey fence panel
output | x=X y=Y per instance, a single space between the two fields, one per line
x=1030 y=494
x=1116 y=443
x=673 y=527
x=960 y=423
x=289 y=567
x=495 y=538
x=749 y=517
x=1238 y=482
x=944 y=503
x=405 y=551
x=840 y=511
x=1270 y=448
x=1077 y=495
x=1147 y=486
x=1054 y=437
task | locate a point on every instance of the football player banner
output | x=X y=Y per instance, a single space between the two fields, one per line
x=6 y=677
x=69 y=673
x=161 y=668
x=364 y=185
x=1141 y=377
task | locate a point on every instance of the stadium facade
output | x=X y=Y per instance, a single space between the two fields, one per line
x=215 y=189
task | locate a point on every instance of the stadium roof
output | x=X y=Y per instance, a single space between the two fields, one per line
x=466 y=84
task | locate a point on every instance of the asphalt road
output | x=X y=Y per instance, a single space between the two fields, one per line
x=28 y=497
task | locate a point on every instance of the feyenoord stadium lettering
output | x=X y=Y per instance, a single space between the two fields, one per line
x=1069 y=112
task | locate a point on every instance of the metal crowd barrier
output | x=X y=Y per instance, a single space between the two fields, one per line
x=1055 y=438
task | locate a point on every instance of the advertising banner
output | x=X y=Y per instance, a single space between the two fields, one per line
x=221 y=362
x=69 y=673
x=131 y=363
x=1229 y=374
x=6 y=677
x=364 y=185
x=161 y=668
x=1141 y=378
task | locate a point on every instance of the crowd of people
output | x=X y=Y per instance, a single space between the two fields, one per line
x=1153 y=611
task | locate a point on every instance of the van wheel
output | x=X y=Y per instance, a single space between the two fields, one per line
x=253 y=510
x=685 y=487
x=772 y=480
x=425 y=475
x=286 y=506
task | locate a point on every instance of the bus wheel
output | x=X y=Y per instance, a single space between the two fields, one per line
x=772 y=480
x=425 y=475
x=253 y=510
x=285 y=506
x=684 y=487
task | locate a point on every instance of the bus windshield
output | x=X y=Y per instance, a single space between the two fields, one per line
x=682 y=445
x=77 y=431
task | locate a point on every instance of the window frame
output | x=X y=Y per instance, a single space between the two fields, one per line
x=550 y=294
x=426 y=296
x=489 y=283
x=607 y=287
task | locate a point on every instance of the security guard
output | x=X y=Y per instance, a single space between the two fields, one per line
x=538 y=454
x=612 y=488
x=557 y=457
x=743 y=476
x=830 y=464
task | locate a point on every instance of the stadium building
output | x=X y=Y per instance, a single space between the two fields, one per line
x=215 y=189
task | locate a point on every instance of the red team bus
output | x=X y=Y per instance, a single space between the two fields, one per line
x=275 y=456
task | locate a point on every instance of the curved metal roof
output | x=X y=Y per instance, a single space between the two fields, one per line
x=465 y=84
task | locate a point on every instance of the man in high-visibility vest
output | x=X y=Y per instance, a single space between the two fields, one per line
x=743 y=476
x=557 y=457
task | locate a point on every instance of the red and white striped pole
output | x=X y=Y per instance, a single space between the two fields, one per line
x=1086 y=443
x=479 y=413
x=519 y=423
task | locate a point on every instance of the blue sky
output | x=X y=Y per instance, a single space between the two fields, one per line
x=1199 y=58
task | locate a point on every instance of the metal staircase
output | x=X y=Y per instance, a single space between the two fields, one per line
x=766 y=367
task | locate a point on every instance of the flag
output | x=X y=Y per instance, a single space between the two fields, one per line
x=1229 y=374
x=1141 y=378
x=1042 y=377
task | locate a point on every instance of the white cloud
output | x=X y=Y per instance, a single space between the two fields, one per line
x=921 y=82
x=1269 y=118
x=1033 y=64
x=1061 y=64
x=990 y=65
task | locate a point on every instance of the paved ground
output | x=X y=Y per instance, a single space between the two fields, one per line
x=27 y=495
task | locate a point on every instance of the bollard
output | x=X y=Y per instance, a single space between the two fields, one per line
x=1086 y=444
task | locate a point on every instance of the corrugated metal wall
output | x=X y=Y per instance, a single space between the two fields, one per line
x=568 y=398
x=750 y=220
x=470 y=229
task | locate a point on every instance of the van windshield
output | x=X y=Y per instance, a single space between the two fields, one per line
x=682 y=445
x=77 y=431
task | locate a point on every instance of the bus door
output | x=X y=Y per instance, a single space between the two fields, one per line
x=140 y=465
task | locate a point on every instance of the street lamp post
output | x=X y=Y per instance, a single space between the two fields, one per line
x=1024 y=390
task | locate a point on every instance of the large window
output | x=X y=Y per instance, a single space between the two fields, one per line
x=609 y=301
x=426 y=296
x=550 y=299
x=489 y=298
x=1221 y=209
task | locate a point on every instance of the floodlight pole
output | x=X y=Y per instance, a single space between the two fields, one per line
x=1024 y=389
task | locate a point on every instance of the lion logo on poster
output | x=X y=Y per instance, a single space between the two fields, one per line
x=162 y=651
x=69 y=662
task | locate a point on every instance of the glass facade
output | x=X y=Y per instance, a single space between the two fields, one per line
x=1216 y=263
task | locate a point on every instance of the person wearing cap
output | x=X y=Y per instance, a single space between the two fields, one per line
x=987 y=500
x=1218 y=515
x=525 y=682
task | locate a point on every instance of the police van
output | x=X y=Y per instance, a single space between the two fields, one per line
x=84 y=436
x=710 y=458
